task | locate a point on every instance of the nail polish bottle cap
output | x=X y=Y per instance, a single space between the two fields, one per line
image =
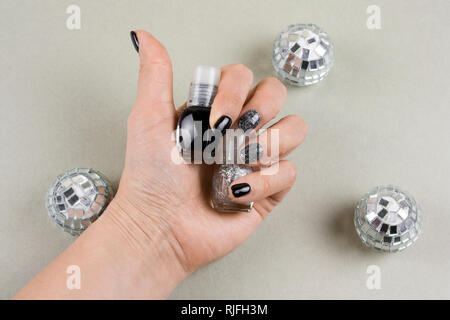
x=203 y=86
x=206 y=75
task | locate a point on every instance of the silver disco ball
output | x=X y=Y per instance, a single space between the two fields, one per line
x=77 y=198
x=388 y=219
x=302 y=54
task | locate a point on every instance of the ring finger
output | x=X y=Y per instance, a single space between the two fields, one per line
x=274 y=143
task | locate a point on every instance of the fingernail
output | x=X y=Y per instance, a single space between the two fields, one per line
x=240 y=189
x=251 y=153
x=134 y=40
x=249 y=120
x=223 y=124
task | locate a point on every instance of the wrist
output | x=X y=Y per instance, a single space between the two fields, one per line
x=153 y=256
x=116 y=259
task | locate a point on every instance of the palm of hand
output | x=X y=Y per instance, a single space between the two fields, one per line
x=172 y=201
x=178 y=195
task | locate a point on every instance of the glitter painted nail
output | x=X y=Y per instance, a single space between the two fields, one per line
x=252 y=153
x=249 y=120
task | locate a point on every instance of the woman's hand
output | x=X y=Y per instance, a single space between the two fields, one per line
x=174 y=198
x=160 y=226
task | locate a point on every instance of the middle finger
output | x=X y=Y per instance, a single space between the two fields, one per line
x=235 y=83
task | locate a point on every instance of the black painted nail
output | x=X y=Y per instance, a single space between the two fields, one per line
x=251 y=153
x=249 y=120
x=240 y=189
x=134 y=40
x=223 y=124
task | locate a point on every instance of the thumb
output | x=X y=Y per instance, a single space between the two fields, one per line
x=155 y=75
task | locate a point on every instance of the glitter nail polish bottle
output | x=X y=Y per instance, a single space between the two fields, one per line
x=225 y=174
x=194 y=121
x=223 y=177
x=77 y=198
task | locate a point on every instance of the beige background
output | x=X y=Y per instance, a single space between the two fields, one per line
x=380 y=117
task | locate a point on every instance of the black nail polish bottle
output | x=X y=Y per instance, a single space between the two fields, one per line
x=194 y=121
